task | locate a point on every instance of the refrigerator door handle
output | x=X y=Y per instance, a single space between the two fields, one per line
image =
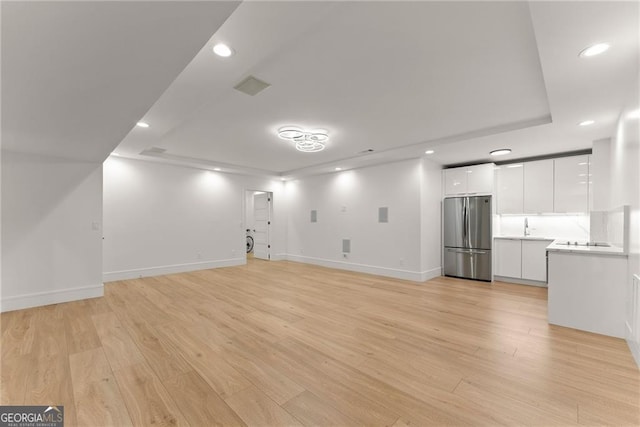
x=466 y=251
x=465 y=240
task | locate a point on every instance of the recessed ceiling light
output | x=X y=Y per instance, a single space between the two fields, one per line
x=222 y=50
x=429 y=152
x=594 y=50
x=217 y=169
x=586 y=123
x=338 y=169
x=500 y=152
x=142 y=125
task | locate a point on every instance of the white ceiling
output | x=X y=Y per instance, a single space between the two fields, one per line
x=76 y=76
x=461 y=78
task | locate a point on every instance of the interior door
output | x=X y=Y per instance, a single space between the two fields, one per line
x=262 y=222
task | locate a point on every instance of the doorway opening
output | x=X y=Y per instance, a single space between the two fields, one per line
x=258 y=213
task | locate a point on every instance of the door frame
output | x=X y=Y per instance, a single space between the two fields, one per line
x=245 y=208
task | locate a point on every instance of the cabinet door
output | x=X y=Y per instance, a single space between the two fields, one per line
x=480 y=179
x=510 y=188
x=571 y=184
x=534 y=259
x=508 y=258
x=455 y=181
x=538 y=186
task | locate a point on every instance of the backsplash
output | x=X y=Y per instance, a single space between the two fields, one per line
x=611 y=226
x=570 y=227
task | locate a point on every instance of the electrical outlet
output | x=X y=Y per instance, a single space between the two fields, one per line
x=401 y=262
x=344 y=256
x=199 y=255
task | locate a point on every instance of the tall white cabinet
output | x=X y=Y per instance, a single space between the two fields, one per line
x=571 y=184
x=510 y=183
x=538 y=186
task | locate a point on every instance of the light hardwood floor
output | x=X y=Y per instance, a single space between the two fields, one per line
x=281 y=343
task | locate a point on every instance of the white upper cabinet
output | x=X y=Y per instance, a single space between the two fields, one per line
x=455 y=181
x=571 y=184
x=538 y=186
x=480 y=179
x=477 y=179
x=510 y=188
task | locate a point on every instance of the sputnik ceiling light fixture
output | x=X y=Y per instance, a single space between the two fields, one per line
x=310 y=141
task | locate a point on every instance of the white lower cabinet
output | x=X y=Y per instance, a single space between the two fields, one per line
x=508 y=257
x=534 y=260
x=587 y=292
x=521 y=258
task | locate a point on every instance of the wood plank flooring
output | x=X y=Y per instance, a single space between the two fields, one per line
x=282 y=343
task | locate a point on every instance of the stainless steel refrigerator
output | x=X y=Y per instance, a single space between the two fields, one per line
x=467 y=237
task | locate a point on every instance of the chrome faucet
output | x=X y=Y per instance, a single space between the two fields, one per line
x=526 y=226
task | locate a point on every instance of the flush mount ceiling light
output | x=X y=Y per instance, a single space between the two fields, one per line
x=594 y=50
x=500 y=152
x=429 y=152
x=586 y=123
x=142 y=125
x=338 y=169
x=307 y=141
x=222 y=50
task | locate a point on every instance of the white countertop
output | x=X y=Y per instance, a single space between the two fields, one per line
x=525 y=238
x=596 y=250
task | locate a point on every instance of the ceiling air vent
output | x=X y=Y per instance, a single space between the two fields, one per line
x=251 y=86
x=367 y=151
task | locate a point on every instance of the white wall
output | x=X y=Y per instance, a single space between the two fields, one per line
x=347 y=203
x=161 y=219
x=625 y=190
x=431 y=219
x=51 y=237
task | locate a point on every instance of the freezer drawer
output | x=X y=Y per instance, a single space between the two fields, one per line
x=468 y=263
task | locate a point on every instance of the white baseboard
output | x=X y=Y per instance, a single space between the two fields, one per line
x=634 y=346
x=520 y=281
x=431 y=274
x=415 y=276
x=111 y=276
x=50 y=297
